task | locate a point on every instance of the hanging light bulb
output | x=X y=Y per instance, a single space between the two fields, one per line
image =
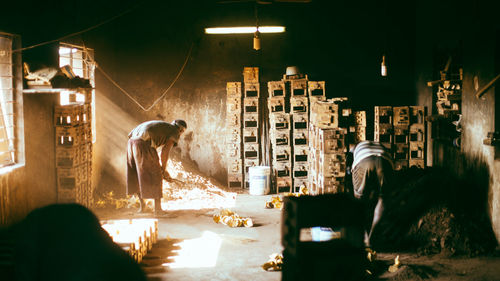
x=256 y=40
x=383 y=68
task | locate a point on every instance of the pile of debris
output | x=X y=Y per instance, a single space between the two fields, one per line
x=433 y=212
x=440 y=231
x=188 y=190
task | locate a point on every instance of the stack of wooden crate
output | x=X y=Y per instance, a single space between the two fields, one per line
x=383 y=130
x=299 y=109
x=74 y=150
x=289 y=109
x=358 y=130
x=251 y=121
x=328 y=145
x=280 y=134
x=401 y=129
x=417 y=137
x=401 y=145
x=233 y=135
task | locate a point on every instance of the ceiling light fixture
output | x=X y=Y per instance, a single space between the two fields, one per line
x=244 y=29
x=256 y=41
x=383 y=69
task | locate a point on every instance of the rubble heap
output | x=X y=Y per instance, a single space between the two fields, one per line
x=431 y=211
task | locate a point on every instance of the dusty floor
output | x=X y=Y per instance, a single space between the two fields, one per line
x=224 y=253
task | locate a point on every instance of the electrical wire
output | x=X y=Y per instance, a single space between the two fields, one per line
x=162 y=95
x=79 y=32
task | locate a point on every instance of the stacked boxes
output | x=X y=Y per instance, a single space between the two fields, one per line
x=289 y=107
x=417 y=137
x=401 y=119
x=328 y=145
x=74 y=152
x=316 y=90
x=299 y=109
x=449 y=95
x=280 y=134
x=401 y=130
x=383 y=131
x=233 y=135
x=251 y=123
x=358 y=130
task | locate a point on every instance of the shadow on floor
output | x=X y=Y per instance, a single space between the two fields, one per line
x=162 y=253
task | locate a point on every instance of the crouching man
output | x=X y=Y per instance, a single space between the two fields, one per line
x=144 y=169
x=372 y=173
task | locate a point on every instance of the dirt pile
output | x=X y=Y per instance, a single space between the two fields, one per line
x=433 y=212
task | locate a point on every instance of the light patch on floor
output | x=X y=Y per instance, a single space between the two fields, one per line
x=197 y=253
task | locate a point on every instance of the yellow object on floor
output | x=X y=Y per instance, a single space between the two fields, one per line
x=276 y=202
x=231 y=219
x=393 y=268
x=274 y=263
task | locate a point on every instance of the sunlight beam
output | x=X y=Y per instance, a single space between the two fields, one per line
x=197 y=253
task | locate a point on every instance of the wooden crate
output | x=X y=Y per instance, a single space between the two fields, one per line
x=71 y=136
x=251 y=74
x=235 y=180
x=300 y=154
x=280 y=137
x=251 y=151
x=69 y=115
x=233 y=105
x=251 y=106
x=332 y=164
x=282 y=169
x=284 y=183
x=299 y=104
x=299 y=183
x=234 y=165
x=233 y=90
x=298 y=87
x=276 y=88
x=300 y=138
x=300 y=170
x=316 y=89
x=282 y=153
x=383 y=115
x=68 y=156
x=251 y=90
x=280 y=121
x=276 y=105
x=300 y=121
x=233 y=135
x=401 y=115
x=233 y=120
x=250 y=121
x=233 y=150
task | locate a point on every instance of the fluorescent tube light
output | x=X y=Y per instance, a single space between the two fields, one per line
x=244 y=29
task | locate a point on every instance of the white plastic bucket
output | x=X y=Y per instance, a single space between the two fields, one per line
x=259 y=178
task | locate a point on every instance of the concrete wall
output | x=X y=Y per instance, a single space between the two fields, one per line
x=31 y=182
x=473 y=32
